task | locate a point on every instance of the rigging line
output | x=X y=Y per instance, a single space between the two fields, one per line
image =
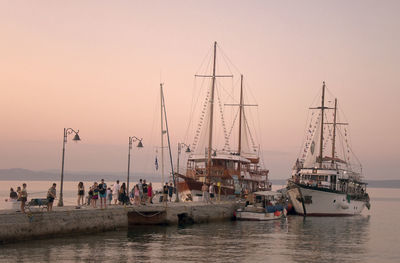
x=230 y=61
x=223 y=88
x=308 y=122
x=249 y=91
x=253 y=125
x=194 y=97
x=207 y=55
x=233 y=122
x=223 y=120
x=350 y=148
x=248 y=128
x=147 y=150
x=260 y=152
x=226 y=62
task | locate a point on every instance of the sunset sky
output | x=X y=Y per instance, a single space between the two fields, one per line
x=96 y=66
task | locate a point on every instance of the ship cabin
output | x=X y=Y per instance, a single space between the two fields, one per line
x=225 y=168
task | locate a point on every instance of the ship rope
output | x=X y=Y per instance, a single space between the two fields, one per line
x=223 y=122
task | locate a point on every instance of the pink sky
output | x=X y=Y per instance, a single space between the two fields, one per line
x=96 y=66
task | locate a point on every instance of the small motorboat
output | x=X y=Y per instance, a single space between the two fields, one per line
x=264 y=205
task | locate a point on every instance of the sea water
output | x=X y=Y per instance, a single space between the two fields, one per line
x=373 y=236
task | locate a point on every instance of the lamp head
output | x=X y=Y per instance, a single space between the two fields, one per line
x=76 y=137
x=140 y=144
x=188 y=149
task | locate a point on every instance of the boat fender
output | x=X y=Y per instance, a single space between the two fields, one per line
x=343 y=205
x=277 y=213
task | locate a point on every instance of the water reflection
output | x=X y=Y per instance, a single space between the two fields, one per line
x=291 y=240
x=328 y=239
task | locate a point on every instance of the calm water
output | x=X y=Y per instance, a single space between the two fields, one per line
x=372 y=237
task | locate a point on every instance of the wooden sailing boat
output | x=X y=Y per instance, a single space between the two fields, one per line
x=326 y=185
x=230 y=173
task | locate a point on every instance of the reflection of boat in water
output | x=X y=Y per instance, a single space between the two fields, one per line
x=329 y=239
x=262 y=206
x=329 y=185
x=231 y=172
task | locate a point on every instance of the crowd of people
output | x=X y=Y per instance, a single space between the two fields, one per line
x=141 y=193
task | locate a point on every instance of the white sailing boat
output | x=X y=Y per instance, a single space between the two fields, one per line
x=327 y=185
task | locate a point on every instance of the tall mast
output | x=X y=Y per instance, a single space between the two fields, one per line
x=162 y=135
x=334 y=133
x=240 y=116
x=322 y=125
x=240 y=123
x=211 y=113
x=169 y=144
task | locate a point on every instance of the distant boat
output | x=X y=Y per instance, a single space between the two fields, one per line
x=327 y=185
x=231 y=172
x=264 y=206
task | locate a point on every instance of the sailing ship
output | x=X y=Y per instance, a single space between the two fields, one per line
x=231 y=173
x=327 y=185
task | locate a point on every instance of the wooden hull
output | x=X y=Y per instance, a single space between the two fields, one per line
x=190 y=190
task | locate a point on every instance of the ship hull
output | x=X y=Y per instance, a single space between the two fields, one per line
x=318 y=202
x=190 y=190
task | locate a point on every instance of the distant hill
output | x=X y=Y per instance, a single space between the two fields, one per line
x=19 y=174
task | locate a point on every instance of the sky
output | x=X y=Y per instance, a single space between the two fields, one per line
x=96 y=67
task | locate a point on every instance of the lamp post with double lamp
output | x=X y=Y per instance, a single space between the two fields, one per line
x=180 y=146
x=67 y=131
x=139 y=145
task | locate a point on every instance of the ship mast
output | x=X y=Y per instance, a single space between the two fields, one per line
x=211 y=101
x=240 y=116
x=211 y=115
x=322 y=125
x=334 y=133
x=162 y=135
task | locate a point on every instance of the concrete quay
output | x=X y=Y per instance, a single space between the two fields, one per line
x=15 y=226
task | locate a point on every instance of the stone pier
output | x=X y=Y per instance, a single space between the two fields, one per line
x=61 y=221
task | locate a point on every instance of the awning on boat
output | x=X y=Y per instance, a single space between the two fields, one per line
x=327 y=158
x=228 y=157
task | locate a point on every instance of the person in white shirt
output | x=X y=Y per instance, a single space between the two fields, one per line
x=212 y=191
x=115 y=191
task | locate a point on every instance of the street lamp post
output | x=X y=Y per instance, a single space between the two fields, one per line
x=67 y=131
x=140 y=145
x=180 y=145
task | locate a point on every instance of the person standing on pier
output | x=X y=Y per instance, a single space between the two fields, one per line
x=13 y=195
x=95 y=196
x=81 y=194
x=115 y=192
x=140 y=185
x=136 y=195
x=23 y=197
x=51 y=195
x=204 y=189
x=103 y=193
x=150 y=193
x=212 y=191
x=145 y=190
x=165 y=193
x=122 y=194
x=90 y=196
